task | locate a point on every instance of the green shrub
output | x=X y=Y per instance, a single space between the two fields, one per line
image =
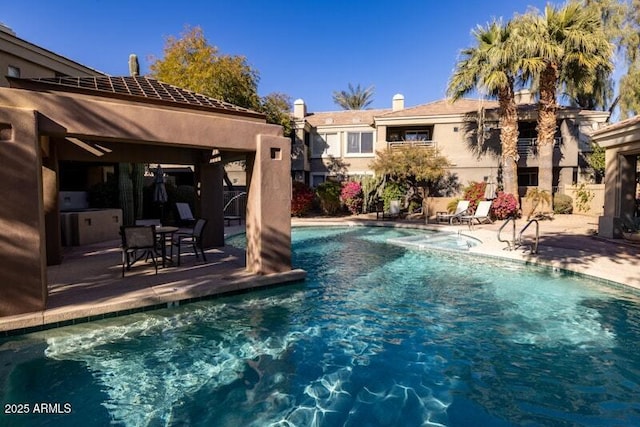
x=104 y=194
x=562 y=204
x=329 y=194
x=392 y=191
x=186 y=194
x=584 y=196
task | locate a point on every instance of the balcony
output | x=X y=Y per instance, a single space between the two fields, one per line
x=529 y=146
x=422 y=144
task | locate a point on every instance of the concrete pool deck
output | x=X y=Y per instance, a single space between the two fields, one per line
x=88 y=286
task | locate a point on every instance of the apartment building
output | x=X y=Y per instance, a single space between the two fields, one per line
x=339 y=144
x=19 y=58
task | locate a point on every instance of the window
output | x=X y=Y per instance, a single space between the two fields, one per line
x=317 y=179
x=528 y=177
x=325 y=144
x=13 y=71
x=359 y=142
x=417 y=135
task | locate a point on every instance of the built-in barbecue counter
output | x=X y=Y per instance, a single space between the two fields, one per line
x=81 y=225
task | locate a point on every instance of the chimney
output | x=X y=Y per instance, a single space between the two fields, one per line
x=299 y=109
x=397 y=103
x=524 y=96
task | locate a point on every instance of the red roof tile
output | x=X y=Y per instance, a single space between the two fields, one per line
x=139 y=88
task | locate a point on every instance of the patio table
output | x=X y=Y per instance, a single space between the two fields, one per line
x=164 y=232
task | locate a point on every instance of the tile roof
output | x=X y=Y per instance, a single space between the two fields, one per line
x=344 y=117
x=138 y=88
x=442 y=107
x=619 y=125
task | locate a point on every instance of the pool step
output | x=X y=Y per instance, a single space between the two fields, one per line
x=440 y=240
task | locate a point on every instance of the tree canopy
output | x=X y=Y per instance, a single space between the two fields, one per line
x=355 y=98
x=492 y=67
x=192 y=63
x=417 y=166
x=566 y=46
x=629 y=91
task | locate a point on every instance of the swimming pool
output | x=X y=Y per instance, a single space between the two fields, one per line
x=378 y=335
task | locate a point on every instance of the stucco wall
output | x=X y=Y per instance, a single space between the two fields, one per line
x=23 y=285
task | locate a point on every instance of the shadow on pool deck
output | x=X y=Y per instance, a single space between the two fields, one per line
x=88 y=284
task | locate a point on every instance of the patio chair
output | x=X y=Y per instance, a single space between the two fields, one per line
x=481 y=214
x=462 y=209
x=138 y=242
x=184 y=212
x=192 y=238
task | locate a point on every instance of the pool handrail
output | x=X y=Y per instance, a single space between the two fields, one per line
x=510 y=243
x=514 y=243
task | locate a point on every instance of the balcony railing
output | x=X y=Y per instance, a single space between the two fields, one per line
x=422 y=144
x=529 y=146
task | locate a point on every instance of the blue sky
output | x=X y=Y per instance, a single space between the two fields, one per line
x=305 y=49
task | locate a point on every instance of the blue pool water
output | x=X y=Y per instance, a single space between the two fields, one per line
x=378 y=335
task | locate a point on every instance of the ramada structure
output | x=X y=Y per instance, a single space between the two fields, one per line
x=621 y=142
x=46 y=121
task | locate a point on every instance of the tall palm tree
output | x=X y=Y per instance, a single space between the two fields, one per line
x=566 y=44
x=492 y=68
x=356 y=98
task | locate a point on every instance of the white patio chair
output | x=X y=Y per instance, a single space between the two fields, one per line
x=461 y=209
x=481 y=214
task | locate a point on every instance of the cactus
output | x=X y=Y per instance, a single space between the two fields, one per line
x=126 y=194
x=137 y=178
x=134 y=65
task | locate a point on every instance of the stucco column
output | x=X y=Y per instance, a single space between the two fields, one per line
x=50 y=185
x=627 y=187
x=23 y=276
x=619 y=197
x=269 y=206
x=211 y=203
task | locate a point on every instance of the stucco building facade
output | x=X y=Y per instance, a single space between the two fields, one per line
x=343 y=143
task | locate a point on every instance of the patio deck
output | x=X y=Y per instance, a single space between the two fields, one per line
x=88 y=285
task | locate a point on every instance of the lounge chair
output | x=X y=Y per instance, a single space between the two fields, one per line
x=184 y=212
x=481 y=214
x=461 y=210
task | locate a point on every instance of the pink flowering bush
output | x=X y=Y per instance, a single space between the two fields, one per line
x=474 y=193
x=302 y=198
x=504 y=206
x=351 y=196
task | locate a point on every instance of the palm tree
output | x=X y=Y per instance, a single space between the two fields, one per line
x=564 y=45
x=356 y=98
x=492 y=68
